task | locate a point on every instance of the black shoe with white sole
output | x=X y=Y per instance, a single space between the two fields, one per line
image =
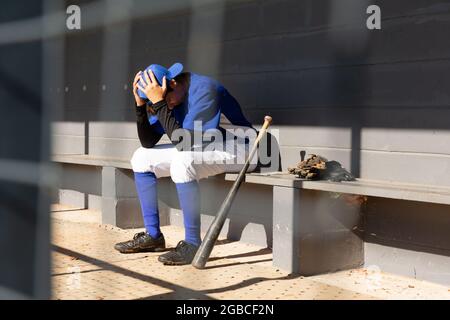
x=183 y=254
x=142 y=242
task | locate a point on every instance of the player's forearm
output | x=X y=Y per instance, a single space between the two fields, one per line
x=183 y=139
x=147 y=136
x=166 y=118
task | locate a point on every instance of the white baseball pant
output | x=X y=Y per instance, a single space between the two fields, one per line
x=186 y=166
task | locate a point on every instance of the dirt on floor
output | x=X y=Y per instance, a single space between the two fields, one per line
x=86 y=266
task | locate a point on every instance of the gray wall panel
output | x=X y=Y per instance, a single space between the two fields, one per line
x=118 y=130
x=410 y=263
x=408 y=238
x=64 y=144
x=114 y=148
x=406 y=167
x=358 y=85
x=408 y=225
x=372 y=139
x=406 y=140
x=312 y=48
x=68 y=128
x=310 y=136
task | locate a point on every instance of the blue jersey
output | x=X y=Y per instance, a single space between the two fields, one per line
x=206 y=100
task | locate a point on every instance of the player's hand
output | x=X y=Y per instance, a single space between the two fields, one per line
x=154 y=92
x=139 y=101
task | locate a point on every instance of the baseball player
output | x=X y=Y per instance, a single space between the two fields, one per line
x=184 y=106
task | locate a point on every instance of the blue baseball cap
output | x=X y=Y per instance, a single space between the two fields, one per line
x=160 y=72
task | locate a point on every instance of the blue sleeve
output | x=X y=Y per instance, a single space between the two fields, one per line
x=203 y=106
x=231 y=109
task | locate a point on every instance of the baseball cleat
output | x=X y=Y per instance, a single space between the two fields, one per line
x=183 y=254
x=142 y=242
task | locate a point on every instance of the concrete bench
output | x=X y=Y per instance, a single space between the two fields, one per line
x=119 y=203
x=85 y=159
x=313 y=231
x=309 y=236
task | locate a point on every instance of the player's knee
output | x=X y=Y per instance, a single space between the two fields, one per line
x=139 y=160
x=182 y=168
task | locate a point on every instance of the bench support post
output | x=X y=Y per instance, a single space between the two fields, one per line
x=285 y=228
x=315 y=232
x=120 y=205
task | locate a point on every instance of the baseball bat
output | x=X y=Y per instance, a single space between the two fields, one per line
x=211 y=236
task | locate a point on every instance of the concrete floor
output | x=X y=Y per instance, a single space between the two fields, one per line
x=85 y=266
